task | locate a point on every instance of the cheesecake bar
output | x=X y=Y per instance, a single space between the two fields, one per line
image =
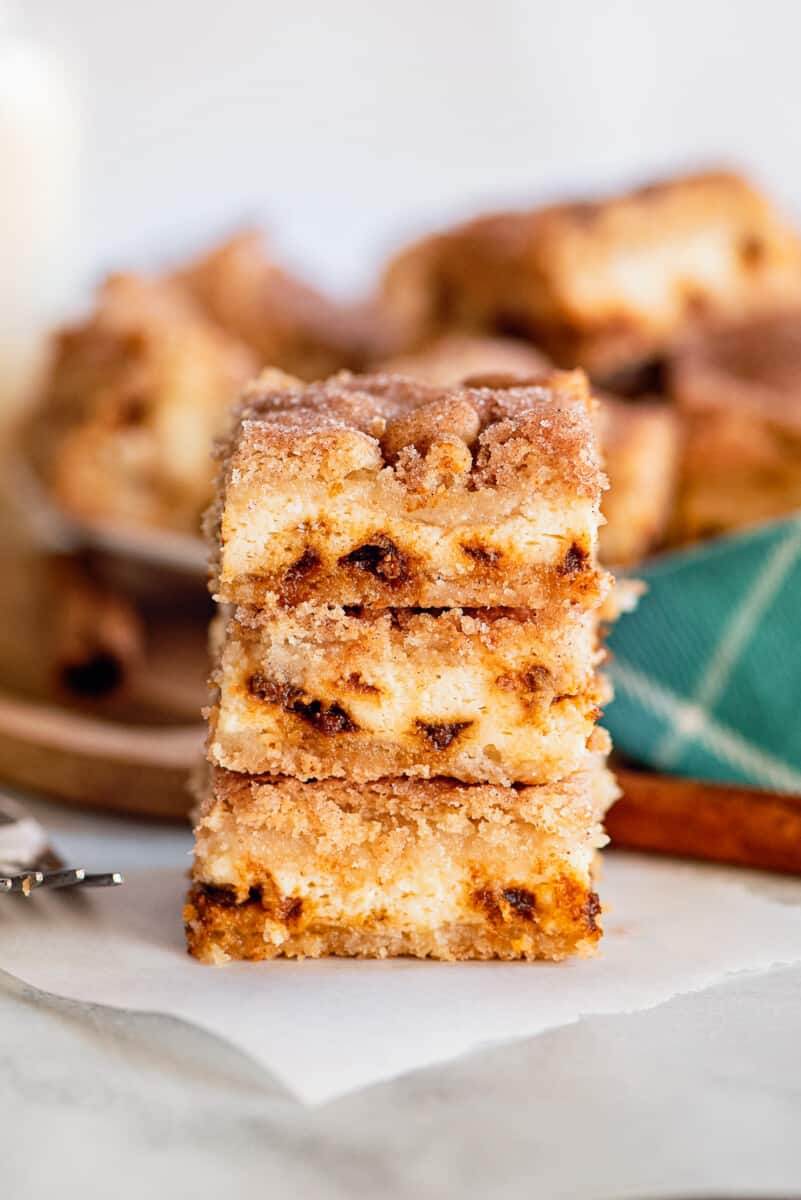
x=606 y=283
x=502 y=695
x=640 y=446
x=132 y=400
x=285 y=322
x=387 y=492
x=739 y=396
x=430 y=868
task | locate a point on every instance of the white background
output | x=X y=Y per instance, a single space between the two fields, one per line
x=344 y=125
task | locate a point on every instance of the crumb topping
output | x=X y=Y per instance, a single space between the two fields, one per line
x=431 y=436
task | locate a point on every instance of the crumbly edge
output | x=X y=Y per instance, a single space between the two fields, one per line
x=405 y=419
x=586 y=794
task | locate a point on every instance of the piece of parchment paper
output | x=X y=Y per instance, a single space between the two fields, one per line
x=327 y=1027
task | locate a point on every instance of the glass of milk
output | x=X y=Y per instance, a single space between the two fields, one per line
x=39 y=175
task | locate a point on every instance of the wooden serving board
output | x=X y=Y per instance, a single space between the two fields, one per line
x=100 y=764
x=99 y=700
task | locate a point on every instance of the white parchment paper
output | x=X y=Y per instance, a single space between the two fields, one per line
x=328 y=1027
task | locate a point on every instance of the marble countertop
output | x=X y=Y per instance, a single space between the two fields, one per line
x=700 y=1096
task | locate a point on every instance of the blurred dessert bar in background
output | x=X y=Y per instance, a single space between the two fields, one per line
x=640 y=446
x=134 y=397
x=602 y=284
x=738 y=395
x=284 y=321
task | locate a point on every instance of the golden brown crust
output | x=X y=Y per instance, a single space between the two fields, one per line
x=397 y=866
x=487 y=694
x=600 y=284
x=383 y=491
x=552 y=415
x=217 y=931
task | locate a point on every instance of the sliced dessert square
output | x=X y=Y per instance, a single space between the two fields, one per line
x=430 y=868
x=503 y=695
x=386 y=492
x=603 y=283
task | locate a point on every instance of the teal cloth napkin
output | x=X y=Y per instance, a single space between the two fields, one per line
x=707 y=670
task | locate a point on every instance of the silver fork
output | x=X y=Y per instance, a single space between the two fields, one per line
x=28 y=861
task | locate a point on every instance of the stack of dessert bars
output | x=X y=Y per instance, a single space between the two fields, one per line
x=403 y=749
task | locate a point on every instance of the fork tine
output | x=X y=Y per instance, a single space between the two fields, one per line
x=107 y=879
x=25 y=882
x=65 y=877
x=28 y=861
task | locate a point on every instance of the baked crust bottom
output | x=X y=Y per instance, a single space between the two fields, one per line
x=218 y=928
